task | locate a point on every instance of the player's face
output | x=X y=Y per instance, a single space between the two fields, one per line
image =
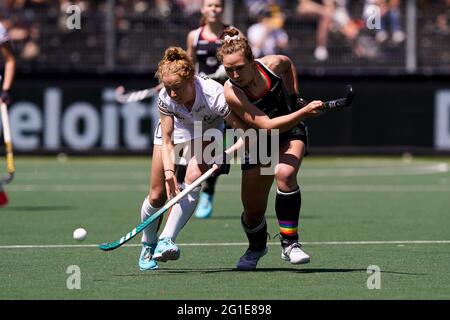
x=180 y=90
x=212 y=10
x=238 y=68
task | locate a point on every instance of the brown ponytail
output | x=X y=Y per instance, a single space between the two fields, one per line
x=234 y=41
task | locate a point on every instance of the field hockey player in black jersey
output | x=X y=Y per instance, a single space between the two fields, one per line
x=264 y=94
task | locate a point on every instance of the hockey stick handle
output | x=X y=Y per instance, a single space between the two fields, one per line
x=338 y=103
x=153 y=217
x=136 y=96
x=7 y=138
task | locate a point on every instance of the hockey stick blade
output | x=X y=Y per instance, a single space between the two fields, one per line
x=7 y=179
x=343 y=102
x=130 y=235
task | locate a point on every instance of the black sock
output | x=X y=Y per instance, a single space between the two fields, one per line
x=210 y=185
x=287 y=208
x=257 y=236
x=180 y=173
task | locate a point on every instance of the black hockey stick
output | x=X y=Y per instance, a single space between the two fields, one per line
x=342 y=102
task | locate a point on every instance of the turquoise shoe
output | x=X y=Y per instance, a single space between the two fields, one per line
x=204 y=208
x=146 y=261
x=166 y=250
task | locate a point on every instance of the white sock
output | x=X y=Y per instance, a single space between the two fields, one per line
x=149 y=234
x=180 y=214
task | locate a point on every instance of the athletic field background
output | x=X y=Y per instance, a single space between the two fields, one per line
x=389 y=212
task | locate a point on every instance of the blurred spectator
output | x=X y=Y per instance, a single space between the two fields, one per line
x=189 y=7
x=255 y=7
x=19 y=21
x=63 y=7
x=42 y=40
x=92 y=13
x=332 y=15
x=443 y=19
x=190 y=10
x=324 y=12
x=267 y=36
x=163 y=8
x=390 y=16
x=10 y=65
x=350 y=29
x=343 y=21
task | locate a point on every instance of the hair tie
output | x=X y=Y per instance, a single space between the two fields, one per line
x=229 y=39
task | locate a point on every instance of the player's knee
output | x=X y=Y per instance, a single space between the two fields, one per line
x=286 y=177
x=157 y=197
x=192 y=175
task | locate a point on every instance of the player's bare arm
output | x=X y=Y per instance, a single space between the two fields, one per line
x=239 y=103
x=237 y=123
x=190 y=45
x=167 y=127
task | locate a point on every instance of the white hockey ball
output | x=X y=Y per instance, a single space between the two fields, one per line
x=80 y=234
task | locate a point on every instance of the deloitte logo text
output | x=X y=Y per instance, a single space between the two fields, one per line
x=80 y=125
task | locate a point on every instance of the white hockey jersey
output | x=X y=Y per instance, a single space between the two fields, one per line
x=210 y=108
x=3 y=34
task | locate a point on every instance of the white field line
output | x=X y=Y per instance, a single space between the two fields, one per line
x=362 y=170
x=227 y=188
x=377 y=171
x=83 y=175
x=77 y=188
x=222 y=244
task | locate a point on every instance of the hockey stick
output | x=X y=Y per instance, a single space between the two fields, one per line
x=9 y=153
x=135 y=96
x=8 y=145
x=342 y=102
x=115 y=244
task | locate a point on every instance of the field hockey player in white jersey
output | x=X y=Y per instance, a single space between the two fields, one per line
x=185 y=101
x=202 y=45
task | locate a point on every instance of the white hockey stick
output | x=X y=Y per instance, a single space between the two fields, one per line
x=135 y=96
x=10 y=168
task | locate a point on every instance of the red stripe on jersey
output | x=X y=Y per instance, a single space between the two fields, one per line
x=269 y=85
